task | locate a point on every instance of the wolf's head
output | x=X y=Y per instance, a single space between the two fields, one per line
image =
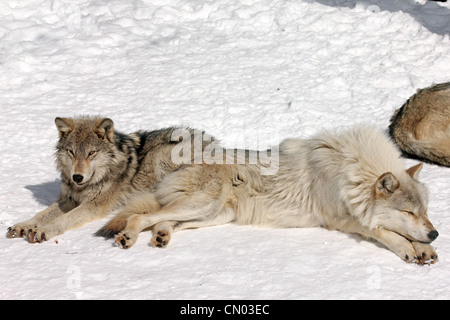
x=400 y=205
x=84 y=146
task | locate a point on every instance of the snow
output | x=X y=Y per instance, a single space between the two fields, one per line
x=239 y=70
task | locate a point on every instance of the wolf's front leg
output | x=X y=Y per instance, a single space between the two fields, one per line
x=56 y=210
x=71 y=220
x=398 y=244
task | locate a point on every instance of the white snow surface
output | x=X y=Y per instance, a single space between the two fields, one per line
x=238 y=69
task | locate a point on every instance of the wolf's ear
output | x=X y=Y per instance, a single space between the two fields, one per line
x=64 y=125
x=415 y=170
x=386 y=184
x=104 y=129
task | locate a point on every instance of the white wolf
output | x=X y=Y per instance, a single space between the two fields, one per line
x=354 y=181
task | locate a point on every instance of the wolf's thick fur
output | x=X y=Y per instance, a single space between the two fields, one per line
x=421 y=127
x=100 y=171
x=354 y=181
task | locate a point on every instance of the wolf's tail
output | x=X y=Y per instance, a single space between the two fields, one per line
x=144 y=203
x=432 y=150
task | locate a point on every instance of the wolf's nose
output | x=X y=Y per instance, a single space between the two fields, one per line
x=433 y=235
x=77 y=178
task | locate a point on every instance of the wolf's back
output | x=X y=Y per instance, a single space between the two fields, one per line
x=149 y=140
x=421 y=127
x=434 y=151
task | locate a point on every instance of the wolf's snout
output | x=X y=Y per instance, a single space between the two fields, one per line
x=77 y=178
x=433 y=235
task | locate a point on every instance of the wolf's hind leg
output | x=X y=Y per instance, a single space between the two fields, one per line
x=129 y=234
x=142 y=204
x=162 y=231
x=195 y=211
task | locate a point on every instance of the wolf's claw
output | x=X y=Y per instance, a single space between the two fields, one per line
x=12 y=233
x=32 y=236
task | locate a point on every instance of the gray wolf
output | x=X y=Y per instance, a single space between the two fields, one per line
x=100 y=171
x=421 y=127
x=353 y=181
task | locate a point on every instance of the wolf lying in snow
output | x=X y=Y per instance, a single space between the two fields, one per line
x=101 y=169
x=353 y=181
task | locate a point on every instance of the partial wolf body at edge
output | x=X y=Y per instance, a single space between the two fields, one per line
x=354 y=181
x=421 y=127
x=101 y=169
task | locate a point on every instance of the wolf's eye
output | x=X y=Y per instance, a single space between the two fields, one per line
x=92 y=153
x=70 y=152
x=409 y=212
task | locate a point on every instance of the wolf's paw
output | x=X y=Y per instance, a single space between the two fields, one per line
x=425 y=253
x=29 y=231
x=125 y=239
x=410 y=258
x=161 y=239
x=406 y=251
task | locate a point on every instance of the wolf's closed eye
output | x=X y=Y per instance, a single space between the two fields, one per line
x=70 y=152
x=409 y=212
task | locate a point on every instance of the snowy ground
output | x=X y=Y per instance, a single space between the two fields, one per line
x=236 y=69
